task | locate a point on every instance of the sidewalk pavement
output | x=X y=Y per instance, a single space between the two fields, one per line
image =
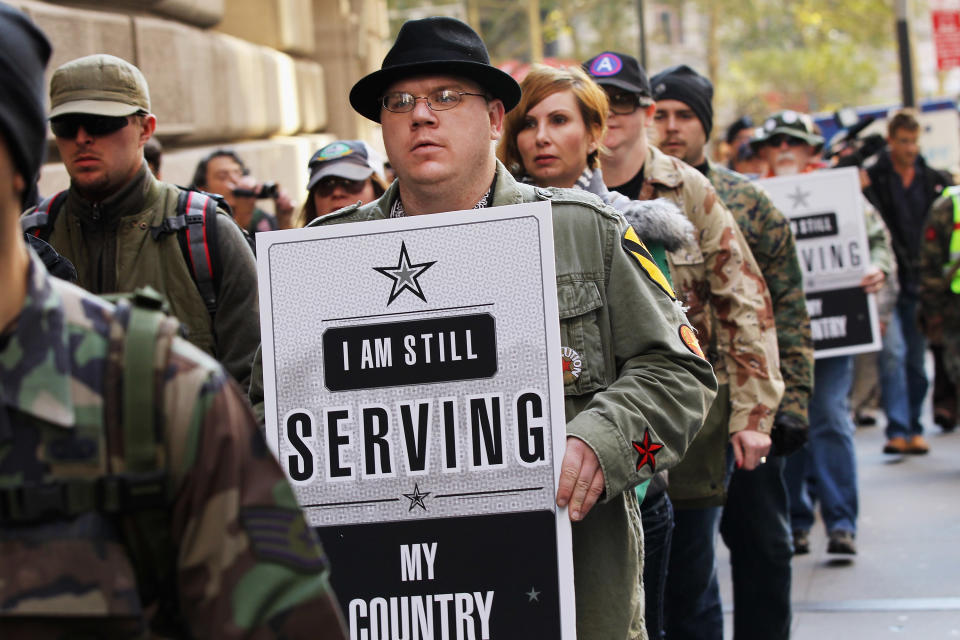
x=904 y=583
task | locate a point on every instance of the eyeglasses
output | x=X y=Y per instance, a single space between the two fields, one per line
x=440 y=100
x=780 y=138
x=327 y=185
x=68 y=125
x=623 y=103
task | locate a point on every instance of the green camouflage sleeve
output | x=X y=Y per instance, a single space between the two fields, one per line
x=934 y=253
x=248 y=565
x=775 y=249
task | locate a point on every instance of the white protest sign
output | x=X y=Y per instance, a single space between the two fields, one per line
x=413 y=395
x=825 y=209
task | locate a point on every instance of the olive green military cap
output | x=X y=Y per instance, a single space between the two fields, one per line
x=100 y=84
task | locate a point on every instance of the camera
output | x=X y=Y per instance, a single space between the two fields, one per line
x=847 y=148
x=264 y=191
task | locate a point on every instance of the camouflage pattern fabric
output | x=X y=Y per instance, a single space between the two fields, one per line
x=246 y=563
x=725 y=292
x=771 y=241
x=939 y=306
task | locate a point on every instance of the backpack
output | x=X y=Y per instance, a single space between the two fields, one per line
x=195 y=225
x=137 y=499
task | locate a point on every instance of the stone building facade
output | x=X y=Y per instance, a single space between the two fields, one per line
x=267 y=78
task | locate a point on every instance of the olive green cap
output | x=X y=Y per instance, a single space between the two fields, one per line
x=100 y=84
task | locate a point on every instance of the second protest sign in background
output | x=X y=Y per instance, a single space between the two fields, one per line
x=413 y=397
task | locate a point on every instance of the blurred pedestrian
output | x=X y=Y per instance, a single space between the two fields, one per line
x=902 y=188
x=790 y=146
x=223 y=172
x=939 y=278
x=341 y=173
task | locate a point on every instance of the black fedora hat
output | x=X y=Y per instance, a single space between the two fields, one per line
x=436 y=45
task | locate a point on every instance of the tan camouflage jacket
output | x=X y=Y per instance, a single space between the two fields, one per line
x=771 y=241
x=246 y=563
x=722 y=286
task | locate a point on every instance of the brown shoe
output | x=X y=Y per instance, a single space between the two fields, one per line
x=842 y=542
x=918 y=445
x=896 y=444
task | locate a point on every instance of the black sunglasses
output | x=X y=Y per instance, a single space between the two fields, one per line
x=326 y=185
x=68 y=125
x=780 y=138
x=623 y=103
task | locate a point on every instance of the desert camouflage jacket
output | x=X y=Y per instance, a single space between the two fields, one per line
x=771 y=241
x=246 y=564
x=722 y=286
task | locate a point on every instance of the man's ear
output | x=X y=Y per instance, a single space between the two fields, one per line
x=496 y=112
x=147 y=127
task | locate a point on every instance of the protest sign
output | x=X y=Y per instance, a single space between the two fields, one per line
x=825 y=209
x=414 y=397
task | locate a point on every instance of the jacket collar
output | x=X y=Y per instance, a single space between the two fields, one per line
x=659 y=168
x=35 y=355
x=131 y=199
x=505 y=191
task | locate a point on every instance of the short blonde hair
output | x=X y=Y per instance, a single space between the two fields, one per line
x=544 y=81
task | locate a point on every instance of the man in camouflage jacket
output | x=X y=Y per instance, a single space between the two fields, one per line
x=243 y=561
x=940 y=283
x=755 y=524
x=728 y=302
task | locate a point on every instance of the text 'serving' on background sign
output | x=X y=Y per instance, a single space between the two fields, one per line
x=825 y=209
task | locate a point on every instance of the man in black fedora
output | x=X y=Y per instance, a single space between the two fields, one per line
x=441 y=105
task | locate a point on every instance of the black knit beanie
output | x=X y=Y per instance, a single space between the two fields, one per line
x=24 y=53
x=689 y=87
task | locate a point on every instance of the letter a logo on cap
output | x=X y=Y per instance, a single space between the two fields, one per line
x=606 y=64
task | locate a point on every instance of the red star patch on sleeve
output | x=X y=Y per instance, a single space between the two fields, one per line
x=647 y=450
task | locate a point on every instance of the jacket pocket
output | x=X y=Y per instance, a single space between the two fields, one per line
x=581 y=344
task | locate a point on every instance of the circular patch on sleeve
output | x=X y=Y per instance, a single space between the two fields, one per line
x=689 y=338
x=572 y=364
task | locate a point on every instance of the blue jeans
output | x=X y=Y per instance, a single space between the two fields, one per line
x=903 y=380
x=656 y=513
x=828 y=457
x=756 y=528
x=692 y=606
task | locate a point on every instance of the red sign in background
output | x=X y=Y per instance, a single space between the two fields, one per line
x=946 y=38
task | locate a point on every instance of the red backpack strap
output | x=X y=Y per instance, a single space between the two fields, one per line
x=40 y=222
x=196 y=229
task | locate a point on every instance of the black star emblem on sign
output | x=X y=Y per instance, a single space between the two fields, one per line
x=647 y=450
x=799 y=198
x=416 y=498
x=405 y=275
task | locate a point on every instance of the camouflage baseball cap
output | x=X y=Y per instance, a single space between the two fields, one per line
x=101 y=85
x=790 y=123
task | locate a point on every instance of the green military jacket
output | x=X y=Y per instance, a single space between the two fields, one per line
x=114 y=251
x=246 y=564
x=771 y=241
x=638 y=380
